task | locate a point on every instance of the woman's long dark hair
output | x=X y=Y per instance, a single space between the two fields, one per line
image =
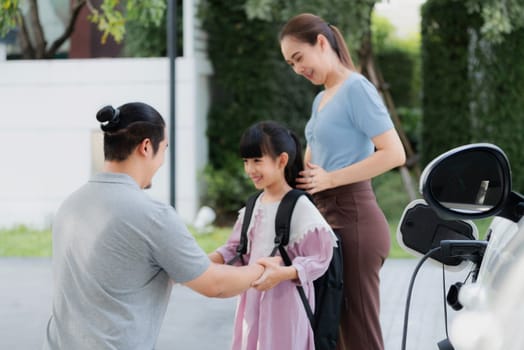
x=272 y=139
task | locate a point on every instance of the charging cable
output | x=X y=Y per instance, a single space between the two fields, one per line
x=410 y=290
x=471 y=250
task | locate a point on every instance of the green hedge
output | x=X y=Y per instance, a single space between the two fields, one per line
x=499 y=99
x=446 y=87
x=251 y=82
x=398 y=67
x=472 y=88
x=147 y=40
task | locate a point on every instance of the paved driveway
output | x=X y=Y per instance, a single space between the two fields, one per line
x=195 y=322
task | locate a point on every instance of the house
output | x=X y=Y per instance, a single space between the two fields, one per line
x=50 y=139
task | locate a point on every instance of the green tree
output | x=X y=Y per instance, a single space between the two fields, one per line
x=497 y=107
x=446 y=90
x=399 y=62
x=382 y=32
x=352 y=17
x=499 y=18
x=472 y=76
x=110 y=16
x=144 y=39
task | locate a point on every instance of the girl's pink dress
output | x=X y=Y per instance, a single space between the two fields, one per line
x=276 y=319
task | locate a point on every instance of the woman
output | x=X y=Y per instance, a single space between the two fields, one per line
x=350 y=140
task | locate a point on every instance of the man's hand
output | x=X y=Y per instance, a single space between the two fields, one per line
x=274 y=273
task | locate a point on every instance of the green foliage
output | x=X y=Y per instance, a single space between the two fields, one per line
x=499 y=18
x=399 y=62
x=381 y=32
x=251 y=83
x=411 y=118
x=398 y=68
x=383 y=37
x=445 y=71
x=146 y=12
x=473 y=78
x=352 y=17
x=391 y=194
x=227 y=189
x=111 y=20
x=110 y=17
x=146 y=39
x=9 y=15
x=498 y=105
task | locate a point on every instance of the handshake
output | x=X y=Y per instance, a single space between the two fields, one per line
x=274 y=273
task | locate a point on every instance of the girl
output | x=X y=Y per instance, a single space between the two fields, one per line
x=271 y=316
x=350 y=140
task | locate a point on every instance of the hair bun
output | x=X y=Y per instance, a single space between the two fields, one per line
x=105 y=114
x=109 y=117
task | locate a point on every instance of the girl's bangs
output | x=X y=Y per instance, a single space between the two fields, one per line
x=252 y=144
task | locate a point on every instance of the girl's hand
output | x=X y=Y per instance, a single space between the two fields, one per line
x=314 y=179
x=273 y=273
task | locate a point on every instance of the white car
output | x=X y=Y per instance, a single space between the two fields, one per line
x=466 y=183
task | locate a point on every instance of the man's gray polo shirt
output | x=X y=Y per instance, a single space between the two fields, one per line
x=115 y=254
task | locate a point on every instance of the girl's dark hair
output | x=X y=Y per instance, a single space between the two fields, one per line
x=306 y=27
x=272 y=139
x=128 y=125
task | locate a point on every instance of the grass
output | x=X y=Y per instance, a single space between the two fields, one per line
x=210 y=241
x=23 y=241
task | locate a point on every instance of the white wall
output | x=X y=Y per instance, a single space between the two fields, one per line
x=47 y=118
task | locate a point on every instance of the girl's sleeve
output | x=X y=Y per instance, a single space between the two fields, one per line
x=312 y=253
x=229 y=249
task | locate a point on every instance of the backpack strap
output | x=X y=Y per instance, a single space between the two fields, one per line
x=283 y=218
x=242 y=246
x=282 y=228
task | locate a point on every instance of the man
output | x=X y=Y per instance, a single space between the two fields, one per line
x=117 y=253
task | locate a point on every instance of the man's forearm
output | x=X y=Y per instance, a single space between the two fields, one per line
x=235 y=280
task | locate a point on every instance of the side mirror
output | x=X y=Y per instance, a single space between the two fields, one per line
x=469 y=182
